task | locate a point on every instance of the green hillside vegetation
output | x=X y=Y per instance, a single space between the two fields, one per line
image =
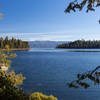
x=81 y=44
x=13 y=43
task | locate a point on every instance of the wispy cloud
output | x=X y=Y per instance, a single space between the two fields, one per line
x=37 y=36
x=53 y=36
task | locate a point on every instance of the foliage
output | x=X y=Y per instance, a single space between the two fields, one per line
x=13 y=43
x=93 y=75
x=9 y=82
x=15 y=79
x=5 y=55
x=1 y=15
x=40 y=96
x=8 y=91
x=81 y=44
x=80 y=4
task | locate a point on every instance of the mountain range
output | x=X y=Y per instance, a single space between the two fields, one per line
x=45 y=44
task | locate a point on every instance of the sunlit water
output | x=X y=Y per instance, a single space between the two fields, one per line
x=48 y=71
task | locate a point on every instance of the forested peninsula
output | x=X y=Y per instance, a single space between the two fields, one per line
x=15 y=44
x=81 y=44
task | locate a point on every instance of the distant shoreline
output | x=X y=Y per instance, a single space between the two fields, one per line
x=17 y=49
x=21 y=49
x=81 y=44
x=78 y=48
x=81 y=51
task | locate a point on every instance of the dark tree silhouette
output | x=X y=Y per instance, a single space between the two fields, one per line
x=75 y=5
x=81 y=44
x=80 y=4
x=93 y=75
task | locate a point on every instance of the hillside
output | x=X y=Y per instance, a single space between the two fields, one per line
x=81 y=44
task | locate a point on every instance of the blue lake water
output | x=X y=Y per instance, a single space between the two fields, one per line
x=48 y=71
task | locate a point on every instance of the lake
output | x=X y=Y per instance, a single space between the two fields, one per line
x=48 y=71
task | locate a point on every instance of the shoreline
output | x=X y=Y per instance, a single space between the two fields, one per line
x=78 y=48
x=20 y=49
x=4 y=67
x=17 y=49
x=81 y=51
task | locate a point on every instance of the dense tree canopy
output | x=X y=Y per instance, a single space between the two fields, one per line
x=13 y=43
x=81 y=44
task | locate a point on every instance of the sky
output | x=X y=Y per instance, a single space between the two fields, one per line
x=45 y=20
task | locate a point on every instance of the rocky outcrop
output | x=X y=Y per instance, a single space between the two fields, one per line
x=3 y=67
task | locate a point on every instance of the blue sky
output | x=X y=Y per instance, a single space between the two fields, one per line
x=45 y=20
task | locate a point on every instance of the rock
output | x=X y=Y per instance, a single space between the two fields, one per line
x=3 y=67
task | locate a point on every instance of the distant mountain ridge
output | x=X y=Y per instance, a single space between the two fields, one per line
x=45 y=44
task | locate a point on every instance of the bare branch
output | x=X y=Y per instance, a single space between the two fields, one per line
x=93 y=75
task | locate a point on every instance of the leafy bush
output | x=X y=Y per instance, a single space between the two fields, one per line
x=9 y=82
x=40 y=96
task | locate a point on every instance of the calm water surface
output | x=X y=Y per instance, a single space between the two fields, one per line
x=48 y=71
